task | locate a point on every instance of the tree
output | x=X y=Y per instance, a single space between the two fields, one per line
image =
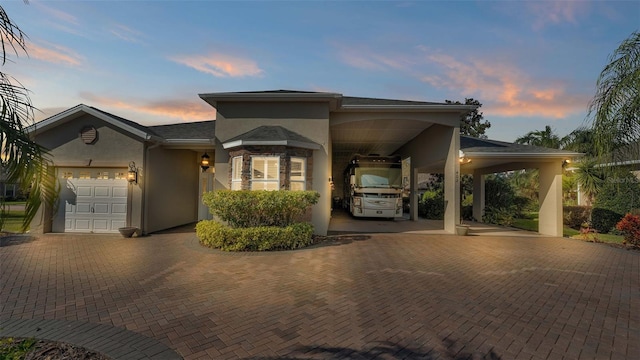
x=589 y=177
x=615 y=108
x=24 y=162
x=580 y=140
x=472 y=123
x=545 y=138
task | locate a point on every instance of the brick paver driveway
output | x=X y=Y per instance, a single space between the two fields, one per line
x=384 y=296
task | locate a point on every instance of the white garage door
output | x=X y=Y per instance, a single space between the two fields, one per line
x=93 y=205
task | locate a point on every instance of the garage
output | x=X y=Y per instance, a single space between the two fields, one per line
x=91 y=200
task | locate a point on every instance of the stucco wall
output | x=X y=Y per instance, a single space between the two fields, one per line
x=172 y=188
x=113 y=148
x=309 y=119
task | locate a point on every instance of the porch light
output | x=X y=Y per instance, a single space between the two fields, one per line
x=204 y=162
x=132 y=174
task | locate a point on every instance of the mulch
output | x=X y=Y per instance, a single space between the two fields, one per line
x=53 y=350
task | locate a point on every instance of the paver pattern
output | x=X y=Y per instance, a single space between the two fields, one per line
x=383 y=296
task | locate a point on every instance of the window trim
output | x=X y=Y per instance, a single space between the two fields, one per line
x=302 y=179
x=266 y=159
x=236 y=163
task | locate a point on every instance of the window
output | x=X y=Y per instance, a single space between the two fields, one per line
x=265 y=173
x=85 y=175
x=236 y=173
x=297 y=177
x=120 y=175
x=67 y=175
x=102 y=175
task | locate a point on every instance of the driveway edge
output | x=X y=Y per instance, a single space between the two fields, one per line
x=114 y=342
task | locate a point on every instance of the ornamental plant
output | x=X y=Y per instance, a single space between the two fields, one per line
x=257 y=220
x=630 y=227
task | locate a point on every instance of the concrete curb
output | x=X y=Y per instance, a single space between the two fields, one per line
x=114 y=342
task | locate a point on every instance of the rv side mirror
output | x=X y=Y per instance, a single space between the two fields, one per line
x=352 y=180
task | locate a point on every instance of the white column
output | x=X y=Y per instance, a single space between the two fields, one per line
x=550 y=215
x=413 y=193
x=478 y=195
x=452 y=183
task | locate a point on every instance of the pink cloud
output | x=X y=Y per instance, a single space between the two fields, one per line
x=555 y=12
x=55 y=54
x=221 y=65
x=185 y=110
x=366 y=59
x=505 y=90
x=126 y=33
x=56 y=14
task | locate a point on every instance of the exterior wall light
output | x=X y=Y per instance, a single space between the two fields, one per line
x=132 y=174
x=204 y=162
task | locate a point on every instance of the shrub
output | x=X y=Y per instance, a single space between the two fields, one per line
x=575 y=216
x=503 y=216
x=630 y=227
x=618 y=194
x=263 y=238
x=604 y=220
x=250 y=208
x=431 y=205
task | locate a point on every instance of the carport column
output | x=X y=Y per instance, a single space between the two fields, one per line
x=478 y=195
x=413 y=200
x=452 y=183
x=550 y=215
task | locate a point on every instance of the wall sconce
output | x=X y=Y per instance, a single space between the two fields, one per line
x=132 y=174
x=204 y=162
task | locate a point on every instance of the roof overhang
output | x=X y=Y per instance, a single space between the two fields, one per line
x=410 y=108
x=213 y=98
x=290 y=143
x=194 y=144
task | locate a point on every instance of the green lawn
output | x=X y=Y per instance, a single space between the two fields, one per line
x=12 y=217
x=530 y=222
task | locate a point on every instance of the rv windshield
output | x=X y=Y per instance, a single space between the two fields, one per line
x=378 y=177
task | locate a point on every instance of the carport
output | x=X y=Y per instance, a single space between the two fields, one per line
x=429 y=134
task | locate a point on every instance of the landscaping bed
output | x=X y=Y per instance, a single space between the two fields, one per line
x=33 y=349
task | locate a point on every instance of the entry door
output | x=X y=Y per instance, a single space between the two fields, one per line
x=94 y=205
x=206 y=185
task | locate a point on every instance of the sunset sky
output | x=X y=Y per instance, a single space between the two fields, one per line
x=530 y=63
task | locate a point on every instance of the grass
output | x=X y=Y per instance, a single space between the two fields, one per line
x=12 y=217
x=529 y=221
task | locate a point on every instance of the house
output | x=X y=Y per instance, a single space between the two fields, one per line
x=115 y=172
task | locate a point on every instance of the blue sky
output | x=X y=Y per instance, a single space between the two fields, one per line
x=530 y=63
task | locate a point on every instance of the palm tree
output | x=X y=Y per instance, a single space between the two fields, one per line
x=545 y=138
x=24 y=162
x=589 y=177
x=615 y=109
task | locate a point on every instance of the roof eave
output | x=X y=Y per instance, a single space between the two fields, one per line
x=69 y=114
x=213 y=98
x=493 y=155
x=290 y=143
x=410 y=108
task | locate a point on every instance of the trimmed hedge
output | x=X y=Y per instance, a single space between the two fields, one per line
x=216 y=235
x=255 y=208
x=604 y=220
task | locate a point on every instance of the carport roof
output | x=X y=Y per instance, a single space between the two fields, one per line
x=484 y=147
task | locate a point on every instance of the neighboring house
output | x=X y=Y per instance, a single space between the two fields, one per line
x=8 y=190
x=277 y=140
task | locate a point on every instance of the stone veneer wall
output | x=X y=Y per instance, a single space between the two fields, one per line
x=285 y=153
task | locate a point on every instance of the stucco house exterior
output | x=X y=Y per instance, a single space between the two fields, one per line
x=115 y=172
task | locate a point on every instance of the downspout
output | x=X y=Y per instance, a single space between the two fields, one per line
x=144 y=186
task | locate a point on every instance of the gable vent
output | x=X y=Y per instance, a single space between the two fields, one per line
x=89 y=135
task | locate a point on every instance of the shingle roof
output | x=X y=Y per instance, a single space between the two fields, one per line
x=271 y=135
x=470 y=144
x=191 y=130
x=353 y=100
